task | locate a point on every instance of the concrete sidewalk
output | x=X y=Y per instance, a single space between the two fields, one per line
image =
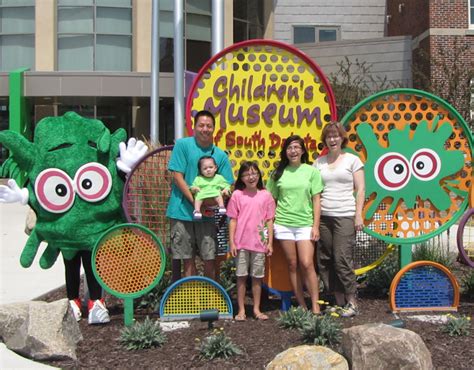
x=19 y=284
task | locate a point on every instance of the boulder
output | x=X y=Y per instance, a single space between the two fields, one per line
x=308 y=357
x=40 y=330
x=380 y=346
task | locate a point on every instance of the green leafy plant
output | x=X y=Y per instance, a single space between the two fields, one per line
x=379 y=279
x=142 y=335
x=467 y=284
x=435 y=250
x=294 y=318
x=227 y=277
x=218 y=345
x=321 y=330
x=152 y=299
x=457 y=326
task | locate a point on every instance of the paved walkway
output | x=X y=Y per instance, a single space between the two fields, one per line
x=18 y=284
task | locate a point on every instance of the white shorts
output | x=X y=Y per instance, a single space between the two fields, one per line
x=292 y=233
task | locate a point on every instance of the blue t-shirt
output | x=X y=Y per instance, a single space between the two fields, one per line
x=184 y=158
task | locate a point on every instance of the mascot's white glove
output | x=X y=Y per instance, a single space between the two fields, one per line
x=130 y=154
x=12 y=193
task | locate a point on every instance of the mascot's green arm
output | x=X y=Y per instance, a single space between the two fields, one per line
x=22 y=151
x=49 y=257
x=30 y=249
x=117 y=137
x=10 y=169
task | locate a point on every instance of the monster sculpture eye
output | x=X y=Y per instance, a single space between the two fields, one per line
x=392 y=171
x=425 y=164
x=93 y=182
x=54 y=190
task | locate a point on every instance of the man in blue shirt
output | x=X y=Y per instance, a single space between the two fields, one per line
x=187 y=233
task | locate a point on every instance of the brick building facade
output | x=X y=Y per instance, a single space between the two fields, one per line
x=443 y=46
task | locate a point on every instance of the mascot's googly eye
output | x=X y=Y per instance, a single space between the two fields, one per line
x=93 y=182
x=392 y=171
x=54 y=190
x=425 y=164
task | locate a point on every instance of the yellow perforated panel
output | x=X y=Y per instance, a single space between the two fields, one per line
x=192 y=297
x=128 y=260
x=262 y=93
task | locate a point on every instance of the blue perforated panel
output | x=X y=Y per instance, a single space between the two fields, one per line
x=424 y=286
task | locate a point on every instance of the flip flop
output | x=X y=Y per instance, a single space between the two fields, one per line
x=261 y=317
x=240 y=318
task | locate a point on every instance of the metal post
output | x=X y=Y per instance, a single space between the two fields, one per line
x=155 y=73
x=217 y=26
x=405 y=255
x=178 y=70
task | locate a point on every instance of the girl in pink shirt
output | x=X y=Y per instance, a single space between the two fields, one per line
x=251 y=210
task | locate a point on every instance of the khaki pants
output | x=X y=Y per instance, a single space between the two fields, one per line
x=334 y=254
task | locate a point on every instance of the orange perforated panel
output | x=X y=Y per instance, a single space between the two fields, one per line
x=388 y=112
x=128 y=260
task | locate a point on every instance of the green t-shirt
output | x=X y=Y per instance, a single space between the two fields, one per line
x=210 y=186
x=293 y=192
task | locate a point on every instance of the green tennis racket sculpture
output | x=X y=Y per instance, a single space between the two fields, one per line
x=128 y=261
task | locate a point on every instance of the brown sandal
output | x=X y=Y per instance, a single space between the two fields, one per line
x=240 y=317
x=261 y=317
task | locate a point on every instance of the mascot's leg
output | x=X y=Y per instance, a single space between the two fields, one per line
x=98 y=313
x=49 y=257
x=29 y=251
x=72 y=269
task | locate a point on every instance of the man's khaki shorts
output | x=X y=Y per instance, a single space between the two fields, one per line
x=186 y=236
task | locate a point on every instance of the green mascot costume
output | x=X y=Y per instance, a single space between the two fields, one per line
x=75 y=189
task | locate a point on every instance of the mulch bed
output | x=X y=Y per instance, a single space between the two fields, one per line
x=261 y=341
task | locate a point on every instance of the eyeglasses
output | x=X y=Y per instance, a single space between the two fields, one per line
x=253 y=174
x=296 y=148
x=335 y=137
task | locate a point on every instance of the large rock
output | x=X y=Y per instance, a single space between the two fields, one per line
x=380 y=346
x=308 y=357
x=40 y=330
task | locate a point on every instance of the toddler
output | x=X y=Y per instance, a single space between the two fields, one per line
x=208 y=185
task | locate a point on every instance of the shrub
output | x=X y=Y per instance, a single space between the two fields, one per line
x=468 y=284
x=227 y=277
x=355 y=81
x=218 y=345
x=141 y=335
x=152 y=299
x=294 y=318
x=457 y=326
x=380 y=278
x=434 y=250
x=321 y=330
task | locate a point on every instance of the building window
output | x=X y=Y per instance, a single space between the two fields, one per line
x=94 y=35
x=17 y=40
x=312 y=34
x=471 y=13
x=197 y=34
x=248 y=20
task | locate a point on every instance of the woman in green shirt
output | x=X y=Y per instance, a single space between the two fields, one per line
x=296 y=186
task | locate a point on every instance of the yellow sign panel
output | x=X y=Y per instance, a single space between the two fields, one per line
x=261 y=92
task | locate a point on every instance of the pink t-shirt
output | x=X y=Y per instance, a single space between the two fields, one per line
x=252 y=211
